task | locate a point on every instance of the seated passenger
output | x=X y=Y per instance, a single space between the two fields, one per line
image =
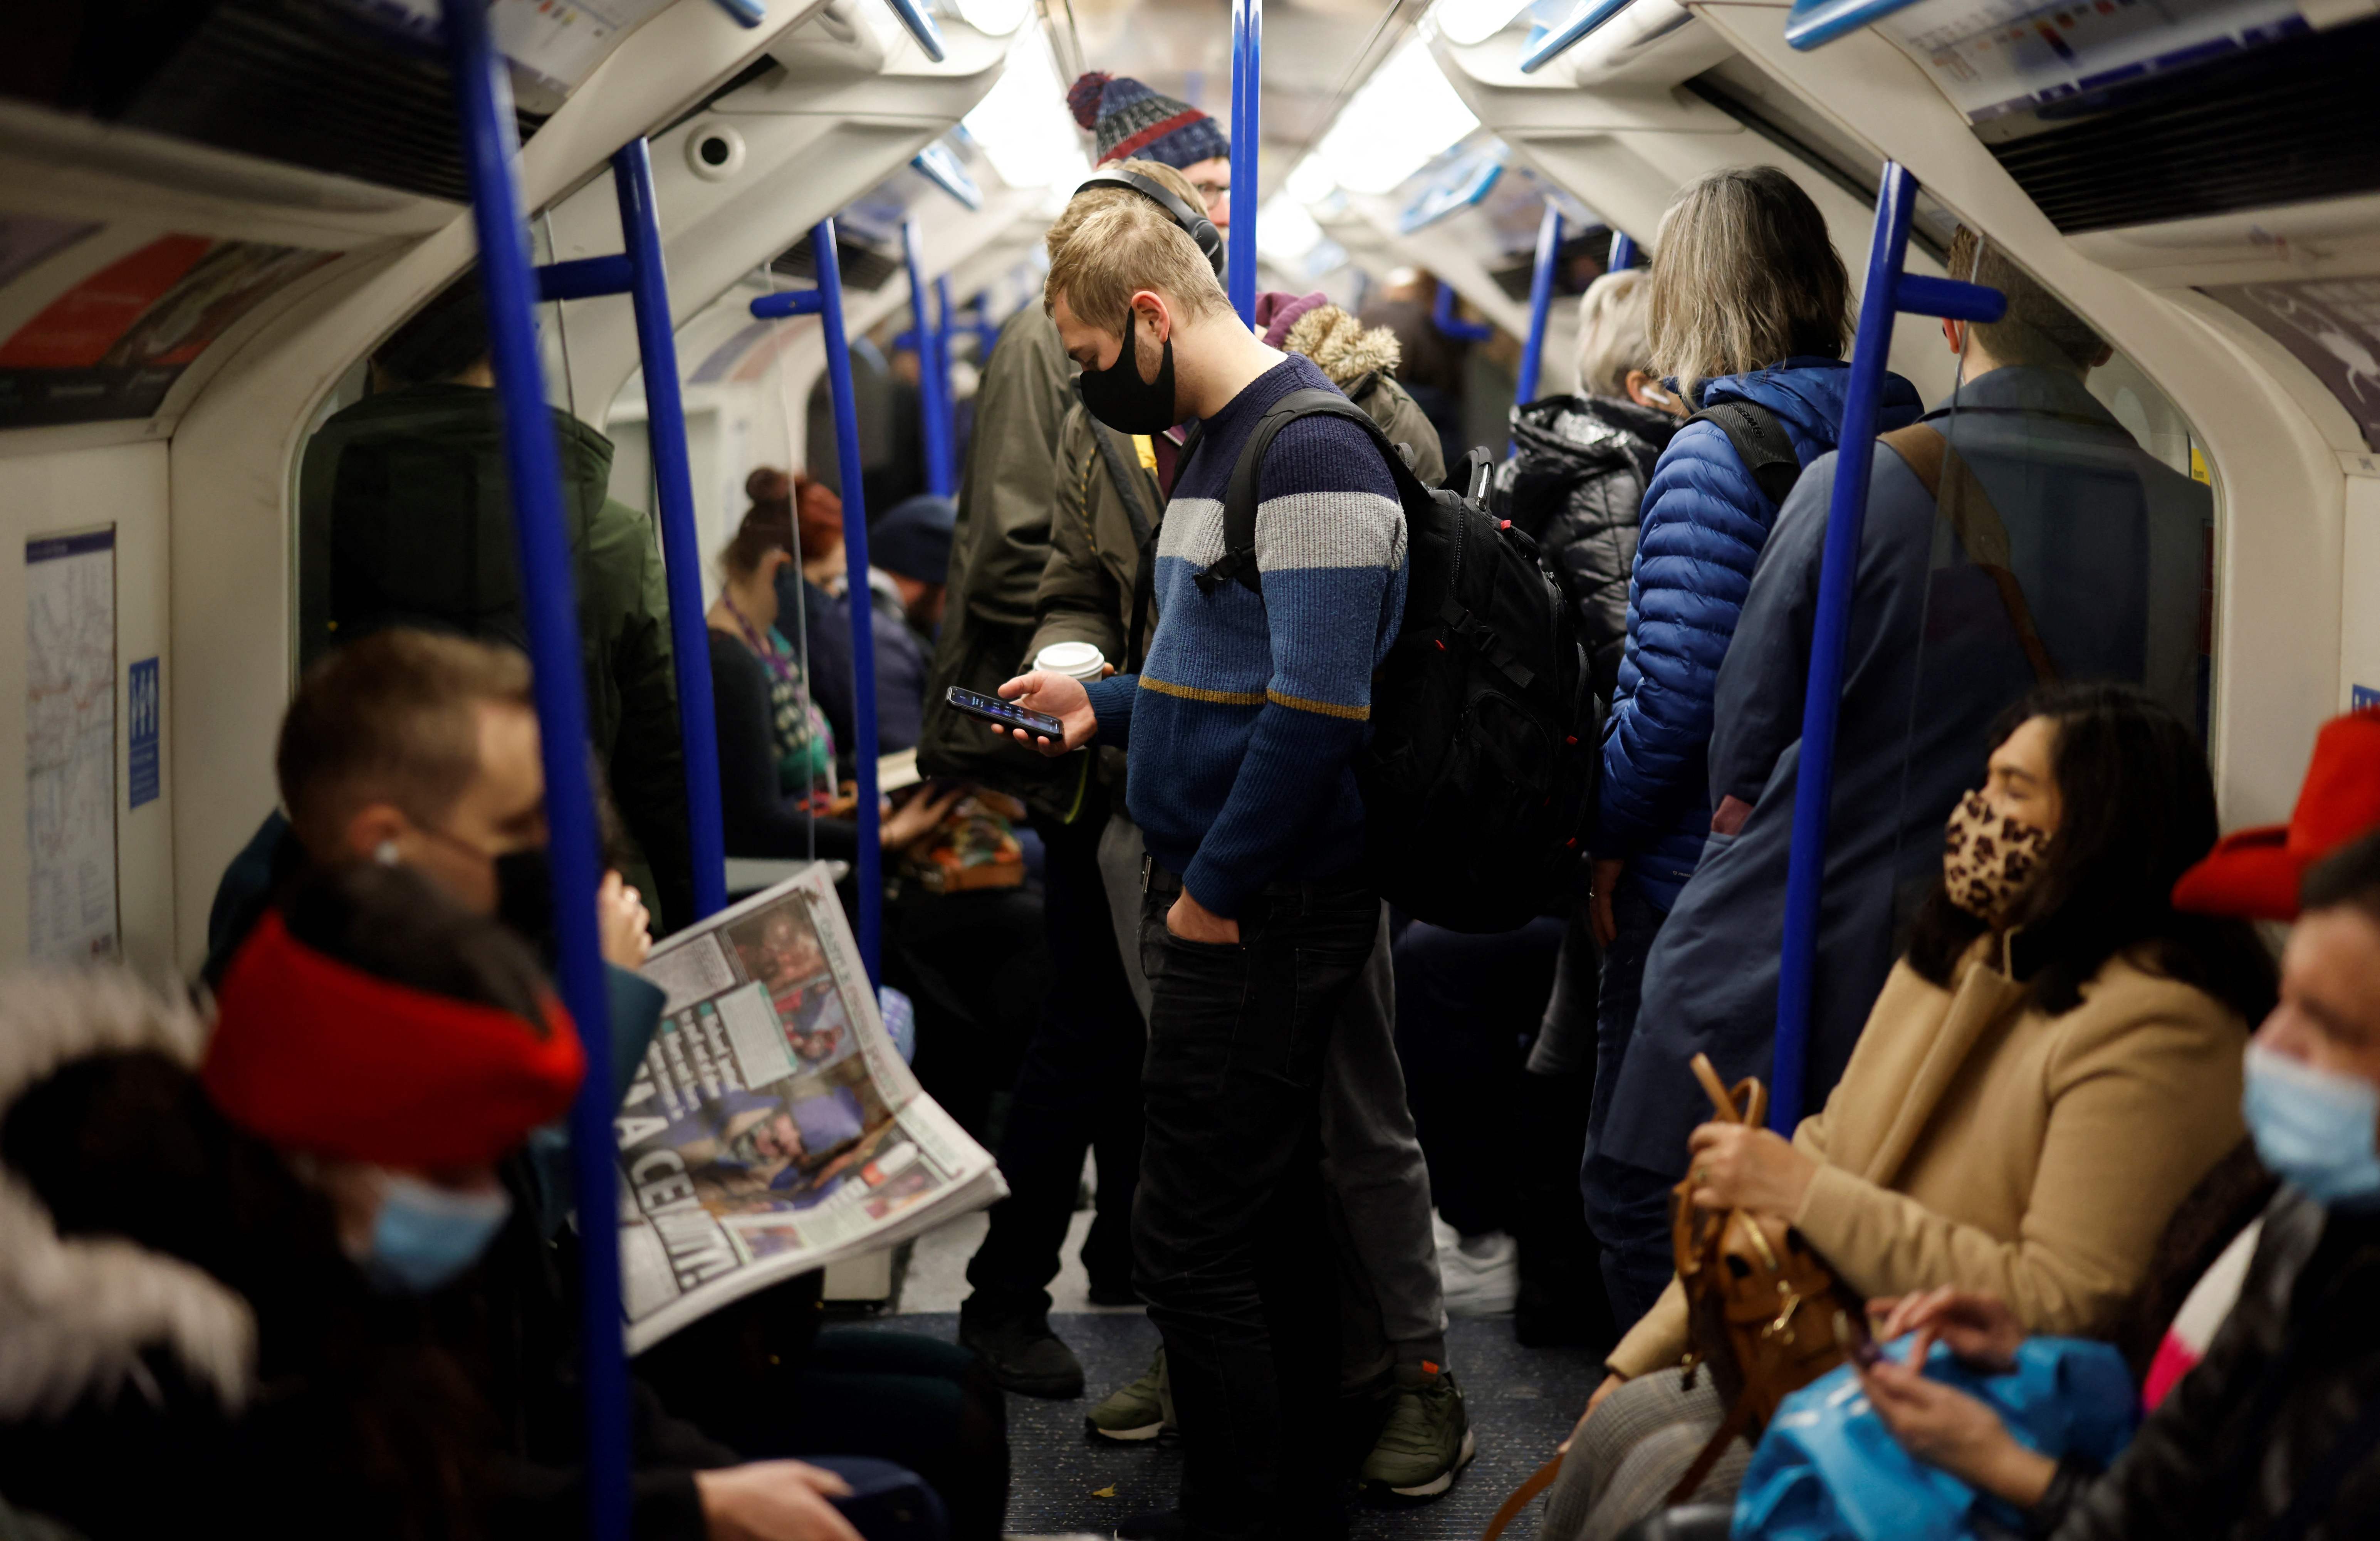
x=406 y=493
x=2052 y=1066
x=1745 y=304
x=221 y=1261
x=909 y=564
x=777 y=772
x=2274 y=1433
x=2067 y=552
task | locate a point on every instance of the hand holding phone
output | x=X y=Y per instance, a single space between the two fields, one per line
x=1042 y=710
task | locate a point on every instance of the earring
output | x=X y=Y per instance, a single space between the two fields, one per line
x=385 y=852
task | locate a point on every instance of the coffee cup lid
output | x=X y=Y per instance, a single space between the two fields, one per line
x=1066 y=656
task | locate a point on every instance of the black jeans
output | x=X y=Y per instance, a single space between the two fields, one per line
x=1079 y=1088
x=1230 y=1228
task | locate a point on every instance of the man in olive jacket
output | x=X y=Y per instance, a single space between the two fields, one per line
x=405 y=519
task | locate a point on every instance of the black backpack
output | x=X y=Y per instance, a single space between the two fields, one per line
x=1480 y=777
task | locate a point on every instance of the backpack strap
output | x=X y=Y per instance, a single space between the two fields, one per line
x=1959 y=493
x=1238 y=563
x=1760 y=443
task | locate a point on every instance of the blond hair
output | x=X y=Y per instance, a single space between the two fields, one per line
x=1111 y=242
x=1611 y=334
x=1744 y=276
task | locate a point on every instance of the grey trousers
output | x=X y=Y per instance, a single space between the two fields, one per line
x=1633 y=1450
x=1370 y=1156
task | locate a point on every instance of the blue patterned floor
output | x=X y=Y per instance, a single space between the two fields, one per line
x=1522 y=1401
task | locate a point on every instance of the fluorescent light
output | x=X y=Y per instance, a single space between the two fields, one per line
x=1023 y=123
x=1286 y=234
x=1309 y=181
x=1405 y=114
x=1466 y=22
x=994 y=18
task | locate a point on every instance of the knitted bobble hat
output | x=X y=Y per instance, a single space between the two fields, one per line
x=1132 y=122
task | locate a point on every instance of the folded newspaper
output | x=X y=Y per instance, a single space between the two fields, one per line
x=774 y=1129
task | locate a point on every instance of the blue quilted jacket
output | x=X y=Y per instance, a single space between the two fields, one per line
x=1704 y=522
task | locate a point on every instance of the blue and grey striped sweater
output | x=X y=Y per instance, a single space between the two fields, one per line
x=1243 y=725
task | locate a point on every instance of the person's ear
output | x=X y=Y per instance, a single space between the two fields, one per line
x=1156 y=316
x=1955 y=333
x=372 y=833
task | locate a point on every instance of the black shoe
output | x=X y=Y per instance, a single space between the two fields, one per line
x=1024 y=1355
x=1157 y=1525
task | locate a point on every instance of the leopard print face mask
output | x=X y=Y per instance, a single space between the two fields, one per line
x=1989 y=858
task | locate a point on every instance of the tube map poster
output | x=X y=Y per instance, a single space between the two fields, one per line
x=70 y=745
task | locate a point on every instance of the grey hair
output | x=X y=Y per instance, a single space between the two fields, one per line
x=2038 y=329
x=1744 y=276
x=1611 y=334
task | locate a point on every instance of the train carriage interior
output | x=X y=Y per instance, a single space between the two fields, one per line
x=2070 y=448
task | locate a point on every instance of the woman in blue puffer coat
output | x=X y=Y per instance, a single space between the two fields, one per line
x=1748 y=302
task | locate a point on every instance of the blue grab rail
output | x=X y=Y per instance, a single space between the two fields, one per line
x=1622 y=253
x=1443 y=316
x=944 y=324
x=1888 y=291
x=933 y=379
x=1247 y=124
x=1541 y=49
x=490 y=148
x=1541 y=303
x=826 y=303
x=632 y=176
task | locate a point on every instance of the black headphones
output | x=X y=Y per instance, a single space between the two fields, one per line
x=1193 y=222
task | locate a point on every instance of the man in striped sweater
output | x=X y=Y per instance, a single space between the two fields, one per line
x=1241 y=731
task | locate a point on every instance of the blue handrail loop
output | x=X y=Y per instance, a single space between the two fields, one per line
x=1247 y=126
x=491 y=149
x=1888 y=291
x=1541 y=303
x=933 y=380
x=826 y=303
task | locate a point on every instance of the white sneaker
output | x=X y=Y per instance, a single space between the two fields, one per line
x=1482 y=1277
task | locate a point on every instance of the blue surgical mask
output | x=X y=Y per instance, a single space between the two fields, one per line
x=425 y=1236
x=2313 y=1128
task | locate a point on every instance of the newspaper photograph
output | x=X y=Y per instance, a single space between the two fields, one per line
x=774 y=1129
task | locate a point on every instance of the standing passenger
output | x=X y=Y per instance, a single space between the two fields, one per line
x=2074 y=556
x=1258 y=921
x=407 y=491
x=1747 y=303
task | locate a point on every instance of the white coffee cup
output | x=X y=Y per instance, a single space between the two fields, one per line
x=1081 y=660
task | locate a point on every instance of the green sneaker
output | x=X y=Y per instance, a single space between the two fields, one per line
x=1141 y=1411
x=1428 y=1439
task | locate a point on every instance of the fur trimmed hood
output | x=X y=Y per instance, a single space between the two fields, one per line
x=76 y=1315
x=1343 y=347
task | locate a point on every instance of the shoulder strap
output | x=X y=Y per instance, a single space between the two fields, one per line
x=1510 y=1509
x=1126 y=474
x=1959 y=493
x=1238 y=563
x=1760 y=443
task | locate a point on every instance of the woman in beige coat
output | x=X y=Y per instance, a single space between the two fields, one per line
x=2050 y=1068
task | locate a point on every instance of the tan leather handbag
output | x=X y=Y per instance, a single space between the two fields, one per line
x=1769 y=1316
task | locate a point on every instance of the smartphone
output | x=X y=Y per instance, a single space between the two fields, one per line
x=1006 y=714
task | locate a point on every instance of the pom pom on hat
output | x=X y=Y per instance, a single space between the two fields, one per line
x=1083 y=96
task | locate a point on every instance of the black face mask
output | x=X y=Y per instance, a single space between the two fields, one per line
x=1120 y=398
x=525 y=899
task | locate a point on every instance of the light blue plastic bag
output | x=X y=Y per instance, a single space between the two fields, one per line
x=1827 y=1469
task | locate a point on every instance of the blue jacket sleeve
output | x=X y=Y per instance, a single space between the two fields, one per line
x=1761 y=685
x=1704 y=524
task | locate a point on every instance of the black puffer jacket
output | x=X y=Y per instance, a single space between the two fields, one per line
x=1574 y=488
x=2264 y=1422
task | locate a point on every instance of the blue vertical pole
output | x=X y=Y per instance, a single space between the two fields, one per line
x=1845 y=516
x=483 y=99
x=1541 y=303
x=1621 y=255
x=944 y=326
x=632 y=176
x=855 y=559
x=933 y=385
x=1248 y=133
